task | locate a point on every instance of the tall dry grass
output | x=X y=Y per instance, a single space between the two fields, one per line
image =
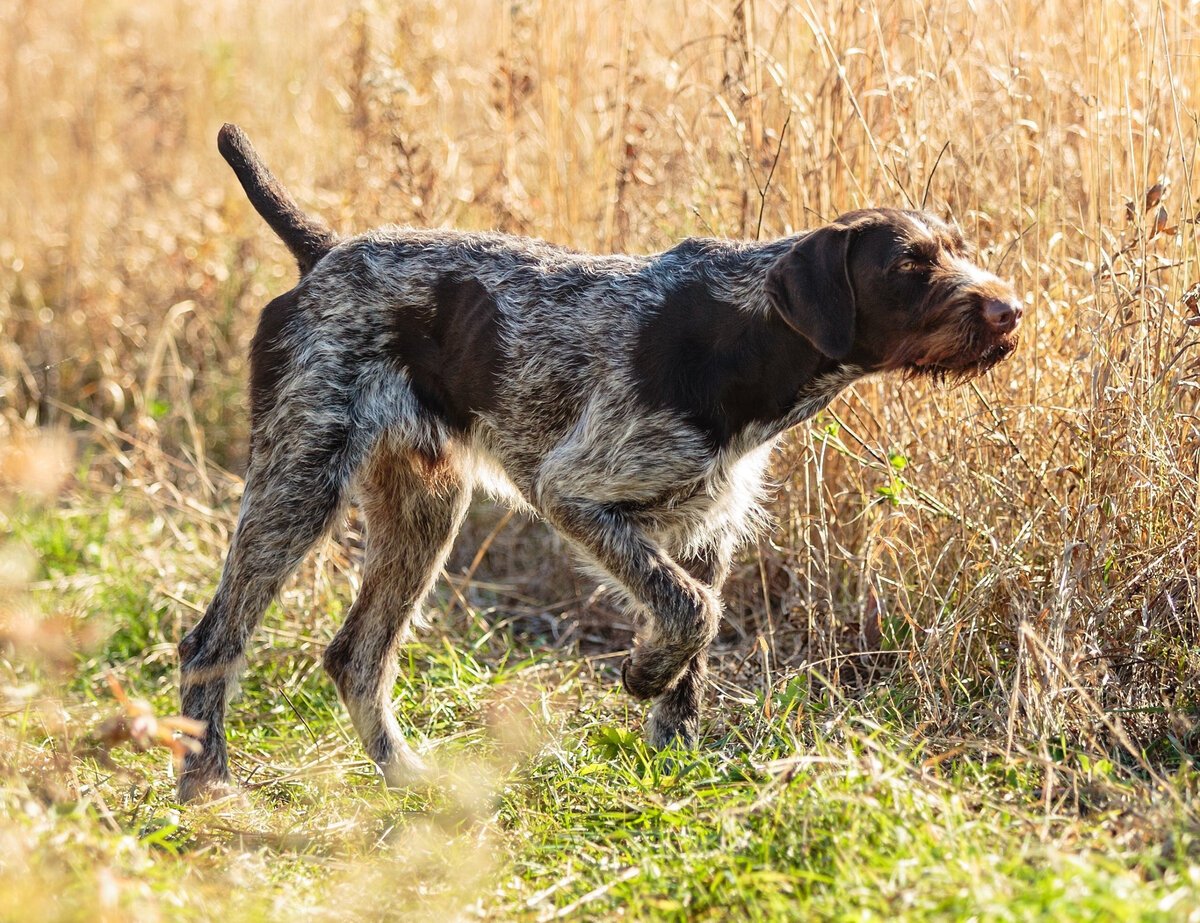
x=1022 y=550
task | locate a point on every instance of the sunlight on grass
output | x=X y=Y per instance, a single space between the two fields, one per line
x=957 y=680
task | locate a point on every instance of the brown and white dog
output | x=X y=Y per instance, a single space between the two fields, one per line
x=631 y=401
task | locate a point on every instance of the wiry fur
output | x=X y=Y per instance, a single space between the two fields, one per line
x=631 y=401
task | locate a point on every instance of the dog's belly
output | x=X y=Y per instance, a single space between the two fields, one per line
x=724 y=500
x=489 y=475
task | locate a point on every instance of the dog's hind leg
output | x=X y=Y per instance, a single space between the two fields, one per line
x=294 y=493
x=413 y=513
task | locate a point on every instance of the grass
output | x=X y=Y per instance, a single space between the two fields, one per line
x=804 y=802
x=957 y=679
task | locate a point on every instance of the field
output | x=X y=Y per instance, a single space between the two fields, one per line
x=959 y=677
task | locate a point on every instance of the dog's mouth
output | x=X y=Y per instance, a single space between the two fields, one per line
x=981 y=355
x=962 y=334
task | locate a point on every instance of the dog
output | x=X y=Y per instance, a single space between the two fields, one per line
x=630 y=401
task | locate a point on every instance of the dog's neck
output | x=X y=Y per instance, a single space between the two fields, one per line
x=817 y=394
x=790 y=380
x=740 y=376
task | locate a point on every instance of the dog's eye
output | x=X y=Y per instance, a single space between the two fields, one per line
x=911 y=265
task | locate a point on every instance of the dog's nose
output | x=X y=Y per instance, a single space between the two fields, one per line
x=1001 y=315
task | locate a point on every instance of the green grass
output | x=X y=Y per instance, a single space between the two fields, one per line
x=800 y=805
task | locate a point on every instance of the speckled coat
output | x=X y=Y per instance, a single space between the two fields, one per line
x=631 y=401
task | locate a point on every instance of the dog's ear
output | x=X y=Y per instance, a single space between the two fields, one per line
x=810 y=287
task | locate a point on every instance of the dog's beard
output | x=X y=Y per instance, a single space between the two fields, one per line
x=954 y=371
x=964 y=365
x=956 y=347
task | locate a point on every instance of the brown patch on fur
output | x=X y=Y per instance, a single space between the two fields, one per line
x=269 y=355
x=437 y=472
x=453 y=353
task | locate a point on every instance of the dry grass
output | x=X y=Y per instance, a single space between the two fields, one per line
x=1015 y=560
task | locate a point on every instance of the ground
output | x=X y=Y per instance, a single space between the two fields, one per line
x=801 y=803
x=959 y=675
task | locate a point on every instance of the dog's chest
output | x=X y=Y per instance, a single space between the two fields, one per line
x=724 y=498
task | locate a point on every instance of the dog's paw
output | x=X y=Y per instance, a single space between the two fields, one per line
x=648 y=675
x=668 y=731
x=196 y=788
x=403 y=770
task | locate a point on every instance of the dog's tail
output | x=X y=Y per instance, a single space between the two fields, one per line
x=307 y=237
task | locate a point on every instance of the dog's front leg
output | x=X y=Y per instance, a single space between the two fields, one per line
x=675 y=717
x=683 y=611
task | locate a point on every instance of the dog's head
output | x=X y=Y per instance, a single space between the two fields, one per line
x=896 y=290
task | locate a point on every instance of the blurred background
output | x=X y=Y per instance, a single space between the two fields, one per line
x=1058 y=493
x=1015 y=558
x=132 y=269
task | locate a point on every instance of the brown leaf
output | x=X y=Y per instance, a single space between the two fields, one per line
x=142 y=729
x=1191 y=300
x=1154 y=195
x=1160 y=221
